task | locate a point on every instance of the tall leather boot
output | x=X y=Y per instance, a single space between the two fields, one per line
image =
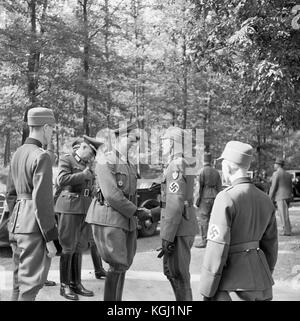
x=75 y=283
x=111 y=286
x=98 y=267
x=120 y=286
x=65 y=276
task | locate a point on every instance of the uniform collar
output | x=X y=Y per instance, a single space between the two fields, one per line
x=78 y=158
x=33 y=141
x=241 y=180
x=174 y=156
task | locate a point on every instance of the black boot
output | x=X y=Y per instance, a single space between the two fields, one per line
x=111 y=286
x=99 y=270
x=65 y=275
x=75 y=284
x=120 y=286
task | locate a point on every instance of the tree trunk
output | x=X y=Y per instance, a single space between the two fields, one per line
x=7 y=148
x=107 y=60
x=86 y=53
x=33 y=64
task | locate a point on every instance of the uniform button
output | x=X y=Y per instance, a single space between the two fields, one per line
x=247 y=250
x=17 y=226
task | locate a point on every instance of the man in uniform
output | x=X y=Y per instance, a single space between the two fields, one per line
x=178 y=225
x=242 y=244
x=76 y=179
x=209 y=186
x=112 y=213
x=281 y=191
x=32 y=224
x=96 y=258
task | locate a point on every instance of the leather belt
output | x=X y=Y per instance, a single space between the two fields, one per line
x=244 y=247
x=24 y=196
x=85 y=193
x=186 y=204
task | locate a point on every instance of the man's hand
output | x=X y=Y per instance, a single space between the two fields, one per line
x=88 y=173
x=168 y=247
x=51 y=248
x=143 y=214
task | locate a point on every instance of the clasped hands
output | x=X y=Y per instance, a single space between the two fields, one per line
x=143 y=214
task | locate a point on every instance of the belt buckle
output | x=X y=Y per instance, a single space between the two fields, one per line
x=86 y=192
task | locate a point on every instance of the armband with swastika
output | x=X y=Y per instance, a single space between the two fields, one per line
x=219 y=233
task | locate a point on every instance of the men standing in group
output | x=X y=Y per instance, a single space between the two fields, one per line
x=75 y=179
x=178 y=225
x=281 y=191
x=242 y=242
x=112 y=213
x=32 y=226
x=210 y=185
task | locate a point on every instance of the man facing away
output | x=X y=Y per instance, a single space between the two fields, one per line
x=32 y=226
x=242 y=245
x=281 y=191
x=210 y=185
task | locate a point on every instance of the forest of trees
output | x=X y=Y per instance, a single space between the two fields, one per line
x=230 y=67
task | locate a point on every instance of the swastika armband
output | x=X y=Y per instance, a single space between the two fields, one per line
x=218 y=233
x=174 y=187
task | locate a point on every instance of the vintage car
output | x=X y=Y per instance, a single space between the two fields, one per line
x=148 y=196
x=3 y=222
x=296 y=182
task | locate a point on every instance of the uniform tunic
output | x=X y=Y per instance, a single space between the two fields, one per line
x=209 y=186
x=32 y=221
x=113 y=222
x=73 y=203
x=281 y=191
x=242 y=243
x=178 y=220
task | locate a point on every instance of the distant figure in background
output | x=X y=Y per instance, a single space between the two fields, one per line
x=281 y=191
x=258 y=181
x=210 y=185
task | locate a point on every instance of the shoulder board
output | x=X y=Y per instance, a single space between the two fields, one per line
x=228 y=188
x=41 y=149
x=178 y=164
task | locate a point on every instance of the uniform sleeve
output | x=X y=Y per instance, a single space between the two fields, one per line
x=65 y=176
x=11 y=194
x=201 y=184
x=219 y=183
x=274 y=186
x=269 y=242
x=155 y=212
x=42 y=196
x=218 y=240
x=175 y=197
x=111 y=192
